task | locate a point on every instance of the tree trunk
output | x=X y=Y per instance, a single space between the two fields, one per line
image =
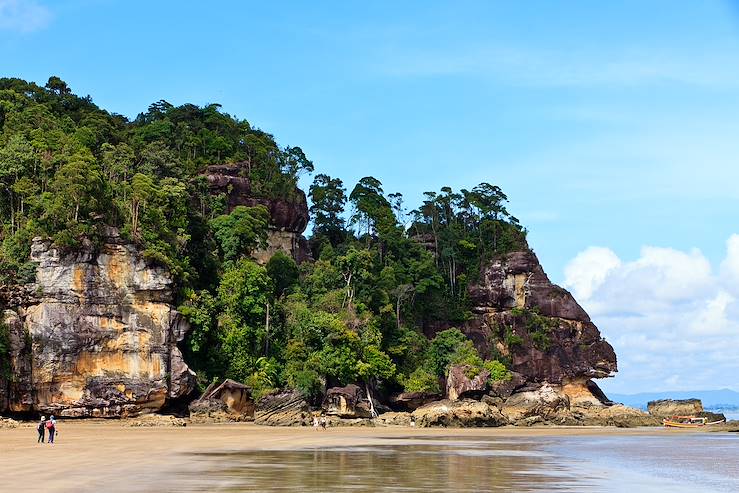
x=397 y=311
x=266 y=343
x=373 y=412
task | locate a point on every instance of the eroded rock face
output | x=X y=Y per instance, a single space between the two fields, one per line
x=222 y=402
x=16 y=392
x=347 y=402
x=544 y=402
x=288 y=408
x=665 y=408
x=616 y=415
x=459 y=384
x=412 y=400
x=504 y=388
x=538 y=326
x=465 y=413
x=103 y=335
x=392 y=418
x=288 y=219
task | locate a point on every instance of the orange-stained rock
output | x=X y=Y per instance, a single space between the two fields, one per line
x=103 y=335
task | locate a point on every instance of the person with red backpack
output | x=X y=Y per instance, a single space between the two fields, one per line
x=41 y=428
x=51 y=427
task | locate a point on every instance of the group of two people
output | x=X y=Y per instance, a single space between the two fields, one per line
x=46 y=425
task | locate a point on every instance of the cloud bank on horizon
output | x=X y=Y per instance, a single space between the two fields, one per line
x=671 y=316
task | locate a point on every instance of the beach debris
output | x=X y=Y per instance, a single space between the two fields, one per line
x=153 y=420
x=8 y=423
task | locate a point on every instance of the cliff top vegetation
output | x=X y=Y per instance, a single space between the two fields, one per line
x=384 y=277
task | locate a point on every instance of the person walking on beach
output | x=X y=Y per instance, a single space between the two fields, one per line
x=315 y=422
x=41 y=428
x=51 y=426
x=323 y=422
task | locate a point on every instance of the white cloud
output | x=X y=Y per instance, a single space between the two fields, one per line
x=672 y=319
x=713 y=318
x=588 y=270
x=730 y=265
x=561 y=68
x=23 y=15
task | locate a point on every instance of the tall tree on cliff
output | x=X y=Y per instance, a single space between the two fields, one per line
x=328 y=198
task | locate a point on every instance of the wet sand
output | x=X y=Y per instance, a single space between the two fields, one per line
x=104 y=456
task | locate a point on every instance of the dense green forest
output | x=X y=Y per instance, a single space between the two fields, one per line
x=356 y=314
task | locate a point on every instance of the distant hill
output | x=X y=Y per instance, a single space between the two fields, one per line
x=712 y=399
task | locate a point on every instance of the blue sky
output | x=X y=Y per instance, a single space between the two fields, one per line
x=609 y=126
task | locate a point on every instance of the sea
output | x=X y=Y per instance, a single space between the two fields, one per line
x=664 y=461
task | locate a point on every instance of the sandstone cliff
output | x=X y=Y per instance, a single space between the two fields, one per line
x=537 y=325
x=288 y=218
x=96 y=335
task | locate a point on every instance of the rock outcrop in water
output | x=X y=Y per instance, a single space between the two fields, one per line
x=96 y=335
x=665 y=408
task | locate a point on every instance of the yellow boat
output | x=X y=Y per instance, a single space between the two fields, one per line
x=689 y=422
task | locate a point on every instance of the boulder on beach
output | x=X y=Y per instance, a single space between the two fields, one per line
x=393 y=419
x=464 y=413
x=665 y=408
x=288 y=408
x=544 y=402
x=410 y=401
x=460 y=383
x=347 y=402
x=227 y=401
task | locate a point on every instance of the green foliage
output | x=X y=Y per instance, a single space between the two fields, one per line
x=541 y=340
x=264 y=378
x=422 y=380
x=203 y=348
x=498 y=371
x=200 y=309
x=512 y=339
x=538 y=327
x=450 y=347
x=283 y=271
x=239 y=232
x=243 y=297
x=69 y=170
x=328 y=198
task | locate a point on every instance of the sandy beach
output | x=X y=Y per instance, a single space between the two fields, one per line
x=90 y=456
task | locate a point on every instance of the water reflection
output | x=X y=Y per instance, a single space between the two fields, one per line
x=669 y=462
x=412 y=465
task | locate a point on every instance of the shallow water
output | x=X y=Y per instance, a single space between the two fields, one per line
x=668 y=462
